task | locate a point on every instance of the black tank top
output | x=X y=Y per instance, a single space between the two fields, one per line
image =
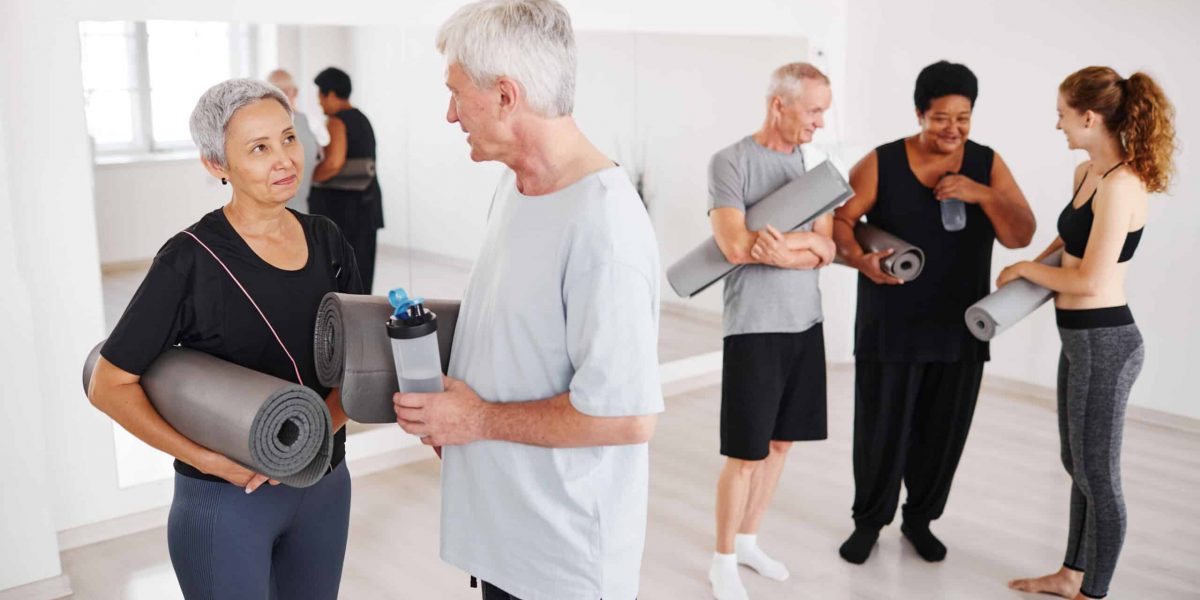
x=352 y=211
x=1075 y=225
x=922 y=320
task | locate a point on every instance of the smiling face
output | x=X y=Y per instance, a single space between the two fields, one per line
x=1077 y=126
x=263 y=158
x=798 y=119
x=479 y=113
x=946 y=123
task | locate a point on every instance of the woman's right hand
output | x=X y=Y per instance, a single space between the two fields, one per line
x=221 y=466
x=868 y=264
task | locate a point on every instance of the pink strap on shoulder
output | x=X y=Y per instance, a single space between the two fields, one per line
x=299 y=379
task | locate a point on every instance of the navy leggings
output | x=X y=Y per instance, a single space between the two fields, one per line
x=278 y=542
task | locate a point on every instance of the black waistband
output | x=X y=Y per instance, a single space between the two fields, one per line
x=1092 y=318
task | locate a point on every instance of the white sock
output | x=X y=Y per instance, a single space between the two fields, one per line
x=749 y=554
x=723 y=575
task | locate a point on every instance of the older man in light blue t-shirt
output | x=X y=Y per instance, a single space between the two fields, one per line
x=553 y=390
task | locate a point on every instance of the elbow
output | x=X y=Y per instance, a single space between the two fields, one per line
x=1017 y=240
x=737 y=256
x=640 y=429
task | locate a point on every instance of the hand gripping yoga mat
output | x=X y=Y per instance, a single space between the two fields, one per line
x=1006 y=306
x=799 y=201
x=904 y=264
x=268 y=425
x=354 y=353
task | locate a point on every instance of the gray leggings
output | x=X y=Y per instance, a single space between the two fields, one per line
x=1096 y=370
x=278 y=542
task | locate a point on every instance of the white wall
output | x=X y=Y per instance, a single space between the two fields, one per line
x=28 y=548
x=1021 y=50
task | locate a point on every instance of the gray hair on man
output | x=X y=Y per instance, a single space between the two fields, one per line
x=529 y=41
x=210 y=118
x=787 y=80
x=281 y=79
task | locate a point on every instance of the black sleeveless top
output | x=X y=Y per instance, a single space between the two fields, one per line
x=922 y=320
x=352 y=211
x=1075 y=225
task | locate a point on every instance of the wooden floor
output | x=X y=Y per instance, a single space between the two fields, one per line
x=1006 y=517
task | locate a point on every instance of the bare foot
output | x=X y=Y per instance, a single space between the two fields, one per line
x=1065 y=583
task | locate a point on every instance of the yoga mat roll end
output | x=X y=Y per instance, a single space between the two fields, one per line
x=981 y=324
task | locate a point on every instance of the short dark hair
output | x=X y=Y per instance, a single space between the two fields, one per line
x=944 y=78
x=333 y=80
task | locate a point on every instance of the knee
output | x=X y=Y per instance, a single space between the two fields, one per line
x=780 y=447
x=743 y=469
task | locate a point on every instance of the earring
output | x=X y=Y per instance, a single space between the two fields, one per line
x=224 y=182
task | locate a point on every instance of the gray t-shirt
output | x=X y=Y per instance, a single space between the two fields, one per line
x=563 y=298
x=759 y=298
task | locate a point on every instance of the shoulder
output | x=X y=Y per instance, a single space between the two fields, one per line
x=1121 y=186
x=612 y=222
x=180 y=251
x=729 y=157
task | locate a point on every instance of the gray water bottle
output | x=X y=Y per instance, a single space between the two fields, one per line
x=413 y=331
x=954 y=213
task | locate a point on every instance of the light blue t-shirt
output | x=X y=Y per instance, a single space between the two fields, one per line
x=563 y=298
x=761 y=298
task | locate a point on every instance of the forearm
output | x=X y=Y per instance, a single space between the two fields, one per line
x=736 y=248
x=1059 y=279
x=338 y=414
x=1051 y=249
x=128 y=405
x=1013 y=221
x=848 y=247
x=327 y=168
x=555 y=423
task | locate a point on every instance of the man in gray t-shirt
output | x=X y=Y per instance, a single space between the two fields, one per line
x=773 y=381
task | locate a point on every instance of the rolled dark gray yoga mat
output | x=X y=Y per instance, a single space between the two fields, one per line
x=353 y=351
x=356 y=176
x=1008 y=305
x=798 y=202
x=268 y=425
x=904 y=264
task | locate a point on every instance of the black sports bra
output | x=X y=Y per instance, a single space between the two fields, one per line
x=1075 y=225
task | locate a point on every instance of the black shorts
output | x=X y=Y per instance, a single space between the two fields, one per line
x=772 y=388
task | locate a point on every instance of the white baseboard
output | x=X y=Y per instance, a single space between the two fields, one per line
x=1048 y=397
x=47 y=589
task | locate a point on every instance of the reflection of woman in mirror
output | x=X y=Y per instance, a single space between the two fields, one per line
x=358 y=214
x=244 y=540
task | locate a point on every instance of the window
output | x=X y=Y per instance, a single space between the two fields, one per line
x=141 y=79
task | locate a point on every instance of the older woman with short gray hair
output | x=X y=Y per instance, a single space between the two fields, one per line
x=243 y=284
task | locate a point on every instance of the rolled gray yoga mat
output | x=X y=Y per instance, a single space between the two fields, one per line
x=798 y=202
x=354 y=354
x=904 y=264
x=268 y=425
x=1006 y=306
x=356 y=176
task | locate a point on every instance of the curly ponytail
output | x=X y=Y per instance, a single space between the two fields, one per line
x=1148 y=131
x=1134 y=109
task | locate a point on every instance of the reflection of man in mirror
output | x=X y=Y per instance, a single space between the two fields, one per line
x=357 y=210
x=554 y=389
x=312 y=150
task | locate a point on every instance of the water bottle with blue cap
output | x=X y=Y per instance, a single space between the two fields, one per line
x=413 y=331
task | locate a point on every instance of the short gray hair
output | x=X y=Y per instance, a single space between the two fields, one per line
x=787 y=80
x=210 y=118
x=530 y=41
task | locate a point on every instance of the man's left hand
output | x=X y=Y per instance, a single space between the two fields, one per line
x=454 y=416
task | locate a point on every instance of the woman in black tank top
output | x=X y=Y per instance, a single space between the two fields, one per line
x=1126 y=127
x=917 y=367
x=359 y=214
